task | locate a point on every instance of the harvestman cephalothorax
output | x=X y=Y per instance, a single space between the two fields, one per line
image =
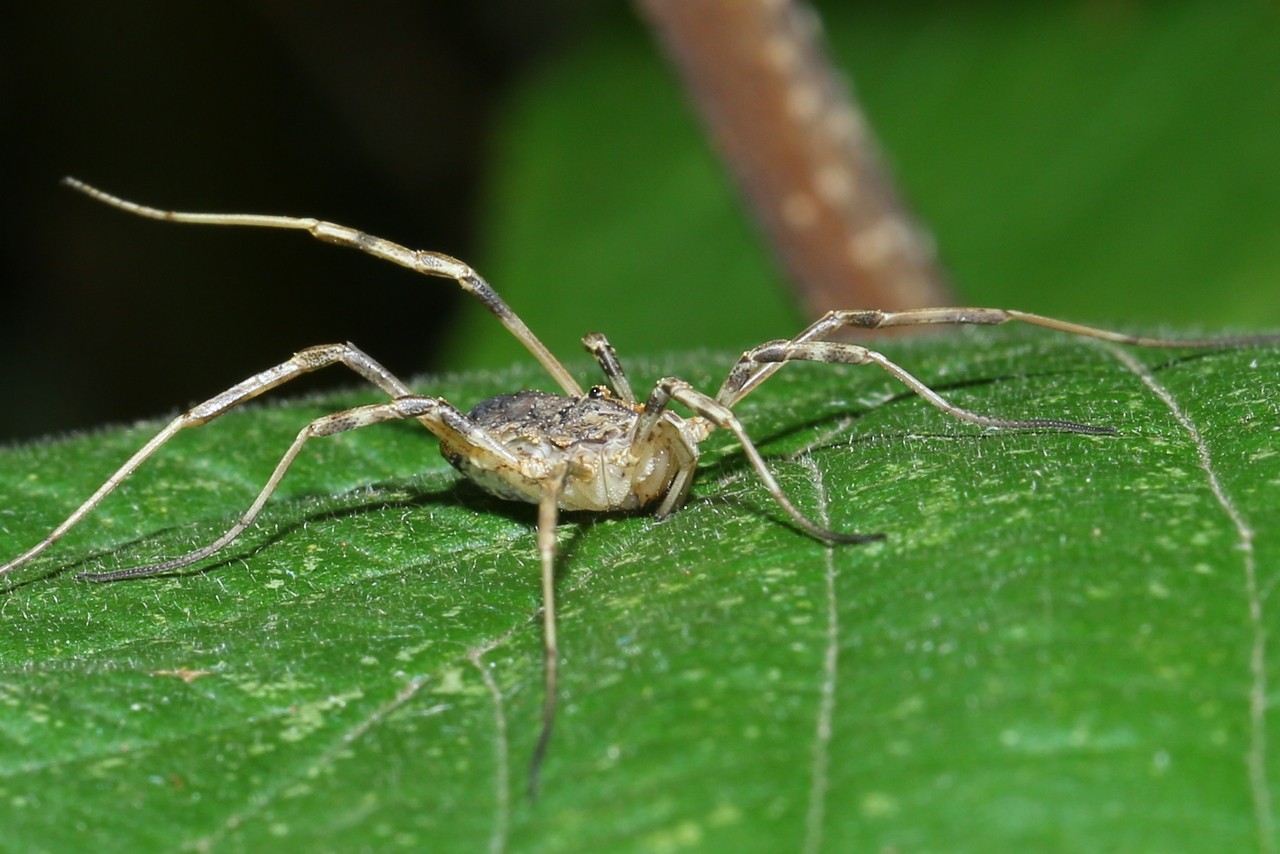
x=598 y=449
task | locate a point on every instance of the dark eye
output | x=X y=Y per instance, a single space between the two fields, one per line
x=597 y=392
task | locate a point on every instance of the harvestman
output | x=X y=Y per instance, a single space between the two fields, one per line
x=601 y=449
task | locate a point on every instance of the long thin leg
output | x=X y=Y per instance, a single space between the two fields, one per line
x=777 y=352
x=749 y=373
x=306 y=361
x=420 y=261
x=548 y=518
x=675 y=389
x=437 y=414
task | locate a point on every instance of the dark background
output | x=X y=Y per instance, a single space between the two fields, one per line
x=379 y=119
x=1112 y=161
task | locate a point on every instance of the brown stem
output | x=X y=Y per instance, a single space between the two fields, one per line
x=801 y=151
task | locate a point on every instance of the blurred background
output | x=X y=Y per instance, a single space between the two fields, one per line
x=1103 y=160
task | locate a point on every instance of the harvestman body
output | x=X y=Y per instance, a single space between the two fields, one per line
x=601 y=449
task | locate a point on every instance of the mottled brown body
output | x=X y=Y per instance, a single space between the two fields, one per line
x=592 y=437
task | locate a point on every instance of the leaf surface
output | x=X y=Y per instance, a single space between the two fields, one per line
x=1061 y=643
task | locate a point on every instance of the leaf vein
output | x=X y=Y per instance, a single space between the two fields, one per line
x=1255 y=757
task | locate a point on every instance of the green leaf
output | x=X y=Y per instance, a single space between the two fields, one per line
x=1110 y=161
x=1060 y=644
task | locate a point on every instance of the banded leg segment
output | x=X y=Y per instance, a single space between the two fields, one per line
x=438 y=416
x=420 y=261
x=306 y=361
x=749 y=373
x=675 y=389
x=302 y=362
x=775 y=353
x=548 y=519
